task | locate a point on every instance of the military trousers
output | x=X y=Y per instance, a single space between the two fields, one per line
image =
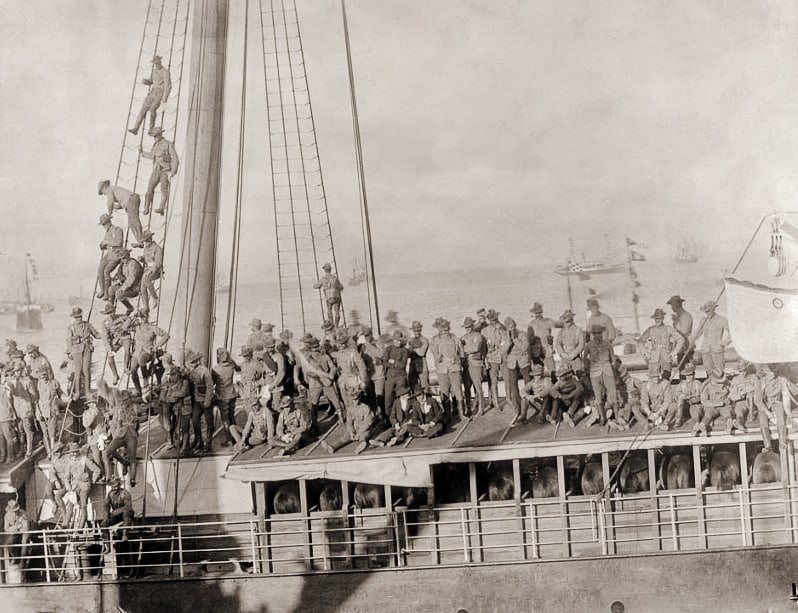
x=713 y=360
x=199 y=410
x=659 y=362
x=472 y=377
x=81 y=371
x=133 y=219
x=129 y=441
x=150 y=105
x=110 y=259
x=162 y=178
x=147 y=289
x=392 y=381
x=712 y=413
x=602 y=379
x=419 y=381
x=7 y=450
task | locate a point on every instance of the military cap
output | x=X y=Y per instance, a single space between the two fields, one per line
x=104 y=219
x=437 y=323
x=156 y=58
x=77 y=312
x=536 y=308
x=269 y=343
x=193 y=356
x=536 y=370
x=307 y=338
x=246 y=351
x=565 y=369
x=509 y=322
x=658 y=314
x=108 y=309
x=267 y=327
x=677 y=299
x=384 y=338
x=102 y=185
x=597 y=329
x=718 y=374
x=327 y=266
x=342 y=336
x=115 y=481
x=156 y=131
x=147 y=235
x=11 y=342
x=416 y=326
x=468 y=322
x=256 y=322
x=592 y=302
x=689 y=369
x=285 y=401
x=397 y=335
x=482 y=311
x=72 y=448
x=709 y=305
x=493 y=315
x=166 y=358
x=286 y=335
x=445 y=324
x=31 y=348
x=567 y=315
x=366 y=331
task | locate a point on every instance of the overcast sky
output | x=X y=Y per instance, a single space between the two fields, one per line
x=492 y=131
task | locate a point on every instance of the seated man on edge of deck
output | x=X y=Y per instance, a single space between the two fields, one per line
x=398 y=416
x=292 y=427
x=360 y=422
x=427 y=417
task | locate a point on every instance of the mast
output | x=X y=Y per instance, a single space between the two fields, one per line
x=361 y=173
x=634 y=283
x=202 y=170
x=27 y=284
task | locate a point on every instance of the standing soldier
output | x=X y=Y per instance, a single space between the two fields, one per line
x=482 y=320
x=447 y=351
x=418 y=377
x=115 y=332
x=38 y=364
x=516 y=356
x=600 y=359
x=164 y=166
x=353 y=374
x=372 y=356
x=128 y=282
x=224 y=390
x=570 y=343
x=120 y=198
x=160 y=83
x=202 y=400
x=48 y=407
x=683 y=324
x=331 y=288
x=112 y=247
x=147 y=340
x=597 y=318
x=80 y=346
x=249 y=387
x=7 y=420
x=153 y=267
x=395 y=358
x=274 y=380
x=661 y=344
x=475 y=348
x=715 y=332
x=256 y=341
x=175 y=403
x=495 y=339
x=318 y=371
x=542 y=328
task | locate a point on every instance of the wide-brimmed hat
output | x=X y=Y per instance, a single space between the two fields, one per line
x=327 y=326
x=444 y=325
x=402 y=389
x=267 y=327
x=416 y=326
x=709 y=305
x=397 y=335
x=307 y=338
x=193 y=356
x=156 y=131
x=492 y=315
x=677 y=299
x=468 y=322
x=72 y=448
x=12 y=505
x=718 y=374
x=269 y=342
x=342 y=336
x=285 y=401
x=658 y=314
x=565 y=370
x=30 y=348
x=256 y=322
x=104 y=219
x=509 y=322
x=536 y=370
x=536 y=308
x=147 y=235
x=688 y=369
x=327 y=266
x=567 y=315
x=102 y=185
x=77 y=312
x=156 y=58
x=246 y=351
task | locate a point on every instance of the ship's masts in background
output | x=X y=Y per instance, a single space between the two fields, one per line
x=194 y=317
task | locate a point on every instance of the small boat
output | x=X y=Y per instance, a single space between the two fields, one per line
x=686 y=253
x=358 y=274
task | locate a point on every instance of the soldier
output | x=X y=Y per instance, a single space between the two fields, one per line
x=516 y=359
x=148 y=339
x=320 y=378
x=570 y=343
x=372 y=356
x=115 y=332
x=48 y=407
x=769 y=403
x=599 y=359
x=657 y=403
x=447 y=351
x=120 y=198
x=355 y=327
x=426 y=419
x=7 y=420
x=715 y=333
x=252 y=375
x=118 y=507
x=257 y=339
x=418 y=376
x=360 y=423
x=201 y=381
x=688 y=397
x=153 y=268
x=537 y=396
x=128 y=282
x=164 y=166
x=256 y=431
x=398 y=417
x=160 y=83
x=496 y=339
x=112 y=247
x=742 y=390
x=38 y=364
x=10 y=348
x=542 y=328
x=597 y=318
x=331 y=288
x=566 y=396
x=123 y=428
x=175 y=401
x=683 y=324
x=353 y=374
x=716 y=403
x=660 y=345
x=224 y=390
x=395 y=358
x=75 y=479
x=17 y=534
x=292 y=428
x=274 y=380
x=475 y=349
x=80 y=346
x=482 y=320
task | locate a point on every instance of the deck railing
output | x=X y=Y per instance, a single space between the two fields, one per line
x=530 y=529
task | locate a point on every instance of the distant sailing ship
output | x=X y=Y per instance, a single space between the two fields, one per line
x=584 y=266
x=358 y=274
x=29 y=314
x=686 y=253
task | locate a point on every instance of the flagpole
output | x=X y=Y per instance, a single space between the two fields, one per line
x=633 y=282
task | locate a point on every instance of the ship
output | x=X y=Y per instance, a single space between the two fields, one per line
x=583 y=267
x=358 y=276
x=487 y=516
x=686 y=253
x=29 y=313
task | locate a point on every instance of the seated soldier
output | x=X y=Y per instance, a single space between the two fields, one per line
x=716 y=403
x=688 y=397
x=118 y=507
x=537 y=395
x=426 y=419
x=656 y=401
x=73 y=483
x=360 y=422
x=256 y=430
x=769 y=403
x=398 y=416
x=17 y=533
x=292 y=427
x=742 y=389
x=567 y=395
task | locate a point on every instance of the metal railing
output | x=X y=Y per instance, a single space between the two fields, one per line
x=530 y=529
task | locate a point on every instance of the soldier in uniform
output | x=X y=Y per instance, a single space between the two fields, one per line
x=48 y=407
x=7 y=420
x=320 y=378
x=38 y=364
x=372 y=356
x=164 y=166
x=398 y=417
x=482 y=320
x=118 y=507
x=688 y=397
x=683 y=324
x=201 y=381
x=115 y=332
x=426 y=419
x=292 y=427
x=566 y=396
x=78 y=481
x=447 y=351
x=742 y=390
x=600 y=359
x=120 y=198
x=715 y=333
x=516 y=359
x=153 y=268
x=395 y=358
x=352 y=371
x=537 y=396
x=112 y=247
x=256 y=340
x=716 y=402
x=275 y=379
x=17 y=534
x=360 y=423
x=570 y=343
x=542 y=328
x=658 y=407
x=252 y=374
x=475 y=349
x=127 y=283
x=123 y=428
x=597 y=318
x=331 y=288
x=660 y=344
x=80 y=346
x=496 y=339
x=769 y=403
x=160 y=83
x=418 y=376
x=224 y=390
x=148 y=339
x=256 y=431
x=175 y=403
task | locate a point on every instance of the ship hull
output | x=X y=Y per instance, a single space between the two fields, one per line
x=604 y=270
x=751 y=579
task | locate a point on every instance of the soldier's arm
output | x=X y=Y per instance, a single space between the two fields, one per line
x=611 y=331
x=146 y=154
x=167 y=85
x=317 y=284
x=680 y=341
x=175 y=163
x=580 y=346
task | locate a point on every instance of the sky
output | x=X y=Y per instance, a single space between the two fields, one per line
x=492 y=132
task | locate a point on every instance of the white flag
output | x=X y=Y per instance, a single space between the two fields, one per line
x=763 y=321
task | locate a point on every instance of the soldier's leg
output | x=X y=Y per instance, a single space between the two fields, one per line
x=165 y=184
x=764 y=429
x=336 y=313
x=108 y=453
x=155 y=103
x=133 y=219
x=87 y=372
x=390 y=389
x=456 y=382
x=149 y=196
x=111 y=262
x=413 y=380
x=185 y=411
x=597 y=382
x=425 y=380
x=710 y=414
x=511 y=388
x=475 y=374
x=696 y=412
x=609 y=384
x=445 y=388
x=466 y=385
x=208 y=413
x=166 y=418
x=101 y=287
x=196 y=423
x=493 y=374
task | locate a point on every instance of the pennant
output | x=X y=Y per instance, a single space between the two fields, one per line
x=763 y=321
x=636 y=257
x=583 y=276
x=34 y=269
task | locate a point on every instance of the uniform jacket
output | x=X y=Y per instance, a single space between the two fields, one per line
x=602 y=319
x=435 y=414
x=359 y=421
x=164 y=157
x=539 y=387
x=418 y=353
x=570 y=342
x=395 y=360
x=683 y=323
x=447 y=352
x=174 y=385
x=292 y=424
x=714 y=394
x=398 y=415
x=147 y=336
x=79 y=337
x=25 y=395
x=656 y=396
x=330 y=286
x=517 y=350
x=131 y=272
x=201 y=385
x=474 y=347
x=153 y=255
x=599 y=355
x=662 y=339
x=40 y=366
x=252 y=374
x=114 y=238
x=495 y=338
x=222 y=373
x=119 y=195
x=715 y=334
x=567 y=388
